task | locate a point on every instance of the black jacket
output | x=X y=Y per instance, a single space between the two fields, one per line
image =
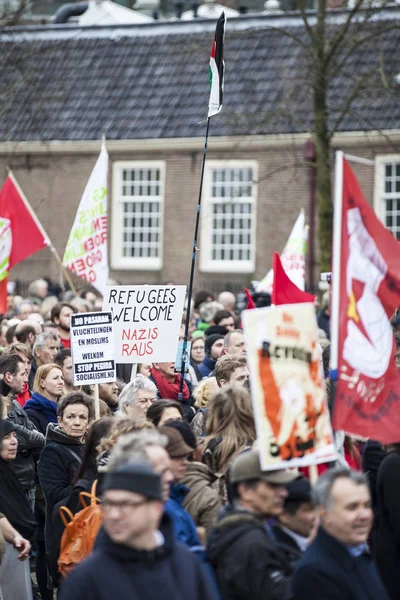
x=32 y=374
x=387 y=535
x=57 y=466
x=287 y=544
x=170 y=572
x=29 y=441
x=327 y=571
x=248 y=563
x=372 y=456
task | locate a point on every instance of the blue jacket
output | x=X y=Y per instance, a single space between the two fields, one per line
x=41 y=411
x=183 y=525
x=116 y=571
x=207 y=366
x=327 y=571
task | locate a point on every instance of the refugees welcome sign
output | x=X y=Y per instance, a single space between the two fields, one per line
x=146 y=320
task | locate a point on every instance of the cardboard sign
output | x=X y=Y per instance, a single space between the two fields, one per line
x=146 y=320
x=287 y=385
x=92 y=348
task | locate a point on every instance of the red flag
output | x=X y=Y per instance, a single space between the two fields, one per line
x=3 y=296
x=284 y=291
x=27 y=233
x=367 y=279
x=250 y=301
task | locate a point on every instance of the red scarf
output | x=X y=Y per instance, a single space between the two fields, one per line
x=169 y=391
x=23 y=397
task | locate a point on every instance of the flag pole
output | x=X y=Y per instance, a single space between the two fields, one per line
x=193 y=264
x=40 y=227
x=337 y=240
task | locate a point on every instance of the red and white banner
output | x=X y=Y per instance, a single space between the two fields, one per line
x=21 y=233
x=284 y=291
x=365 y=294
x=293 y=257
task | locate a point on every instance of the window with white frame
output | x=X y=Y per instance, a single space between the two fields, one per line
x=228 y=219
x=390 y=193
x=138 y=200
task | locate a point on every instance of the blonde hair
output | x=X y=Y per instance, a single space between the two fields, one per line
x=205 y=391
x=41 y=374
x=230 y=425
x=121 y=426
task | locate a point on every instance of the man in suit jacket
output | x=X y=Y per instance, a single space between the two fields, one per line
x=295 y=524
x=337 y=564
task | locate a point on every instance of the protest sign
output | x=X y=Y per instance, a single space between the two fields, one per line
x=290 y=409
x=147 y=321
x=92 y=348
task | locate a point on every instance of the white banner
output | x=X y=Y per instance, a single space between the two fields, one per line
x=92 y=348
x=5 y=246
x=293 y=257
x=86 y=253
x=147 y=321
x=287 y=386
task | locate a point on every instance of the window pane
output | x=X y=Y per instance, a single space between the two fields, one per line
x=231 y=197
x=141 y=215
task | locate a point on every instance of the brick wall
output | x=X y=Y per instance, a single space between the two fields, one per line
x=54 y=185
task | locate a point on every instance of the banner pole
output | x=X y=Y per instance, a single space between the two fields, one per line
x=96 y=398
x=193 y=264
x=337 y=240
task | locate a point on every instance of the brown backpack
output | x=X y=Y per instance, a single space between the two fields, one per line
x=80 y=531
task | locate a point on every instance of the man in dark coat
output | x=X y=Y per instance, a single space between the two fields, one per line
x=29 y=439
x=337 y=565
x=213 y=347
x=247 y=560
x=295 y=524
x=135 y=554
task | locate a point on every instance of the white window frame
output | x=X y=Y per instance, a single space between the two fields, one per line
x=379 y=194
x=207 y=264
x=118 y=261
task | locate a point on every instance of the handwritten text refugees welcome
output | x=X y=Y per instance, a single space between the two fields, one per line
x=146 y=321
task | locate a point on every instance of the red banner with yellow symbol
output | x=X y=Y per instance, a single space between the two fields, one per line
x=367 y=400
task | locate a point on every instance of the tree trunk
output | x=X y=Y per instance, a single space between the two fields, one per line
x=323 y=180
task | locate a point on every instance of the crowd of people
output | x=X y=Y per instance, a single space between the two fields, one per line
x=163 y=496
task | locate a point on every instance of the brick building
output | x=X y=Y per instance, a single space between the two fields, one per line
x=146 y=88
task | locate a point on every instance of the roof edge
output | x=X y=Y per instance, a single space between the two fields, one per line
x=341 y=139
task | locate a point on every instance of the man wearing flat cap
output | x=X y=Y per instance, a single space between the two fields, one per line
x=248 y=561
x=296 y=522
x=135 y=555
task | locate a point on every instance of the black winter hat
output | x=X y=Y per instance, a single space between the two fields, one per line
x=299 y=490
x=215 y=329
x=137 y=478
x=6 y=427
x=210 y=341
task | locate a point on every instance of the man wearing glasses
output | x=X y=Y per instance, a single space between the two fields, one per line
x=136 y=555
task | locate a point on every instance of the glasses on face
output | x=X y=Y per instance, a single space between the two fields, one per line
x=123 y=507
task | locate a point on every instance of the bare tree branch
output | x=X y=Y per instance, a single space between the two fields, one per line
x=340 y=36
x=349 y=101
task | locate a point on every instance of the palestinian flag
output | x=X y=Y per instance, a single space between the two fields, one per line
x=217 y=67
